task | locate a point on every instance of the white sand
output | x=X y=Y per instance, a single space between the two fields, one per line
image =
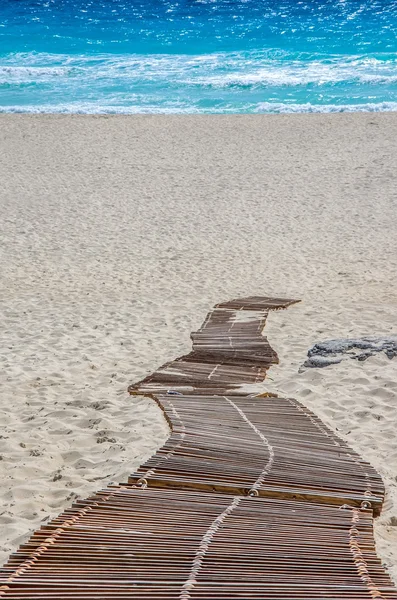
x=118 y=233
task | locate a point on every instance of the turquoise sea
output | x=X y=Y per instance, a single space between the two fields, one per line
x=198 y=56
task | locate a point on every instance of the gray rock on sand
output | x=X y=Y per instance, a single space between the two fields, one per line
x=332 y=352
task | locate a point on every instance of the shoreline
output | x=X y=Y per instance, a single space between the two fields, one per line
x=286 y=110
x=119 y=232
x=180 y=115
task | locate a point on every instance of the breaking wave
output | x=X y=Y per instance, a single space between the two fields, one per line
x=178 y=108
x=255 y=81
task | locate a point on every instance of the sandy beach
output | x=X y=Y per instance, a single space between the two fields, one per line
x=119 y=233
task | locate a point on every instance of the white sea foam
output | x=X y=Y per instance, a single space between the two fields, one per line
x=218 y=70
x=129 y=84
x=12 y=73
x=270 y=107
x=297 y=75
x=262 y=107
x=85 y=108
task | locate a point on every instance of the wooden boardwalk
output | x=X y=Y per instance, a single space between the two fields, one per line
x=268 y=447
x=229 y=351
x=173 y=544
x=250 y=498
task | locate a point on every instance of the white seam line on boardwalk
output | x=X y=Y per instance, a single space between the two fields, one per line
x=213 y=371
x=264 y=439
x=203 y=547
x=216 y=523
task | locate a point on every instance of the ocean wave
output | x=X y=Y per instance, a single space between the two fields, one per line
x=178 y=108
x=254 y=81
x=29 y=73
x=287 y=77
x=283 y=108
x=247 y=73
x=221 y=70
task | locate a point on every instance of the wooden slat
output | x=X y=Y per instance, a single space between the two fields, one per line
x=257 y=303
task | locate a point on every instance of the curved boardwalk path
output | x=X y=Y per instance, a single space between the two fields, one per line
x=250 y=498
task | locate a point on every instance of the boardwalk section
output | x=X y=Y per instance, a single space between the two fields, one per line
x=229 y=351
x=251 y=498
x=271 y=447
x=126 y=543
